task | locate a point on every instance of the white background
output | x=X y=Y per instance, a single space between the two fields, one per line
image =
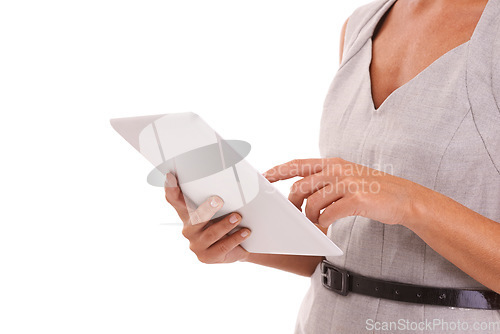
x=86 y=245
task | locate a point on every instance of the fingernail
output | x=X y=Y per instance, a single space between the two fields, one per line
x=244 y=234
x=215 y=202
x=170 y=180
x=233 y=219
x=264 y=174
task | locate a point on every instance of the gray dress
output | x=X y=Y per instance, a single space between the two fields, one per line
x=441 y=130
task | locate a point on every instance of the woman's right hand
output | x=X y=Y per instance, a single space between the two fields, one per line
x=208 y=239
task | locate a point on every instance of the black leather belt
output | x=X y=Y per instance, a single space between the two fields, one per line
x=342 y=281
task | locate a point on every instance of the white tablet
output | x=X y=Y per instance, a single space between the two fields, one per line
x=206 y=165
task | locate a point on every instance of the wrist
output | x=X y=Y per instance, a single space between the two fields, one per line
x=246 y=258
x=417 y=211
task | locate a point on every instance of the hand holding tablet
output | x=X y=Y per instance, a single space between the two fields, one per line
x=208 y=238
x=206 y=166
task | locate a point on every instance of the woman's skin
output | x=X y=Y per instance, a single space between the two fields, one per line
x=342 y=189
x=210 y=242
x=411 y=36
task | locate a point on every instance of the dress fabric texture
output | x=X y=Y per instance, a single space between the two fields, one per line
x=441 y=130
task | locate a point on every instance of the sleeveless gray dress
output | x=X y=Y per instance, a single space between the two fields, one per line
x=441 y=130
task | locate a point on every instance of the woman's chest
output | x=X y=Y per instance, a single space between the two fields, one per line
x=407 y=40
x=408 y=136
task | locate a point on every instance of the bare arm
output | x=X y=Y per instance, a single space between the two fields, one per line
x=300 y=265
x=464 y=237
x=342 y=40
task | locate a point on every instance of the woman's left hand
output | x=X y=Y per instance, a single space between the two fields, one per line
x=343 y=189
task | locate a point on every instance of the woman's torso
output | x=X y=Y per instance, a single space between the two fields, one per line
x=440 y=129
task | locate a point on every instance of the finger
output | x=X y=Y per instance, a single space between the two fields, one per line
x=200 y=218
x=216 y=231
x=305 y=187
x=321 y=199
x=343 y=207
x=174 y=196
x=298 y=167
x=221 y=248
x=204 y=213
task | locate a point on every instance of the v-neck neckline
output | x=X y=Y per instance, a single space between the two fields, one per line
x=419 y=74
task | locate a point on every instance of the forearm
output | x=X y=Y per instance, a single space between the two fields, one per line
x=297 y=264
x=464 y=237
